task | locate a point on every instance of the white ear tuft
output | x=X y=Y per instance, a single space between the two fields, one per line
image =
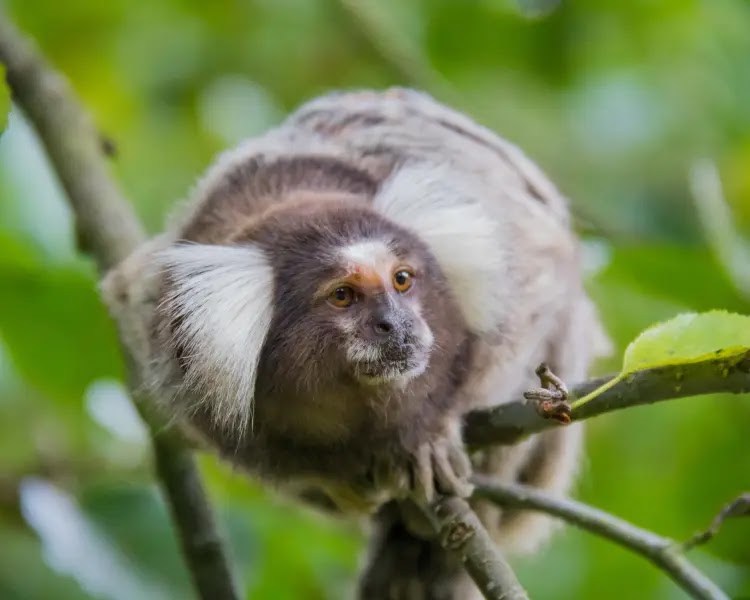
x=221 y=304
x=445 y=211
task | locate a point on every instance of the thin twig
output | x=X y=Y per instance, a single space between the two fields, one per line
x=662 y=552
x=462 y=533
x=739 y=507
x=508 y=423
x=109 y=230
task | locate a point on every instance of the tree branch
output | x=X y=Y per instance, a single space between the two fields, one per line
x=200 y=540
x=462 y=533
x=662 y=552
x=110 y=230
x=106 y=221
x=508 y=423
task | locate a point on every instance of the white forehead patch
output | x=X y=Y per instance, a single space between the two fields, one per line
x=373 y=254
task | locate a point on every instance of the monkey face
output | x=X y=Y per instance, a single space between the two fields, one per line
x=356 y=299
x=376 y=306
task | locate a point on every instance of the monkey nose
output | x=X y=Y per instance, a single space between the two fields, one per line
x=382 y=327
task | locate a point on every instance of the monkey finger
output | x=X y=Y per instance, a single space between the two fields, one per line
x=424 y=485
x=447 y=480
x=460 y=462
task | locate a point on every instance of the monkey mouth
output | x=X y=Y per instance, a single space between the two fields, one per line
x=389 y=363
x=386 y=370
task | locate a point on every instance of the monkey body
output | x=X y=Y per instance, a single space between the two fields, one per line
x=273 y=317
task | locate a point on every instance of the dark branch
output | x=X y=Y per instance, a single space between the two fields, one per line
x=109 y=230
x=199 y=538
x=462 y=533
x=104 y=218
x=662 y=552
x=508 y=423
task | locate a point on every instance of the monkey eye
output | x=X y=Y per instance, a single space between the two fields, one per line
x=402 y=280
x=342 y=297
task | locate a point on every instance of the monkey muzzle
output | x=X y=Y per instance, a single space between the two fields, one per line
x=393 y=347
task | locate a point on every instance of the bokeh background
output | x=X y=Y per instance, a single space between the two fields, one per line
x=623 y=103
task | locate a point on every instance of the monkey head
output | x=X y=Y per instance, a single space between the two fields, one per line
x=329 y=302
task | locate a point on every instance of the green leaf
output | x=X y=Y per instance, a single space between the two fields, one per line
x=689 y=338
x=56 y=329
x=717 y=336
x=4 y=100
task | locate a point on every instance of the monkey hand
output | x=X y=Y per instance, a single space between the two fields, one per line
x=439 y=465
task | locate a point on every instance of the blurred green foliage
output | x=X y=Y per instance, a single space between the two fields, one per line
x=4 y=99
x=616 y=100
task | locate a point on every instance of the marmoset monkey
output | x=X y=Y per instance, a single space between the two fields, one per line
x=339 y=291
